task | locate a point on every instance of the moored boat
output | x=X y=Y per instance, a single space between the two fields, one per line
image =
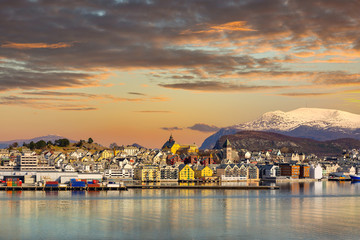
x=355 y=177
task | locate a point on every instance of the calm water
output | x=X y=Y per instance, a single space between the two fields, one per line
x=319 y=210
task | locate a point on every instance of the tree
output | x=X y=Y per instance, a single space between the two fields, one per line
x=15 y=145
x=49 y=143
x=31 y=145
x=90 y=140
x=40 y=144
x=80 y=143
x=62 y=142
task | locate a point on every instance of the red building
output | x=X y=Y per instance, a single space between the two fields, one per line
x=172 y=159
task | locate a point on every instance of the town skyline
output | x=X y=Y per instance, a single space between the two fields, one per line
x=129 y=72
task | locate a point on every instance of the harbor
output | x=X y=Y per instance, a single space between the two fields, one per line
x=125 y=188
x=234 y=187
x=61 y=188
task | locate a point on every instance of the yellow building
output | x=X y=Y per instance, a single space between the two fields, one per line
x=147 y=173
x=176 y=148
x=186 y=173
x=105 y=154
x=202 y=171
x=85 y=159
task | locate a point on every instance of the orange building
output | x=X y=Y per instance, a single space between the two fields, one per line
x=304 y=171
x=289 y=170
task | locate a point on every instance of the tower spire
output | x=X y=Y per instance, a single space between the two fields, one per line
x=171 y=139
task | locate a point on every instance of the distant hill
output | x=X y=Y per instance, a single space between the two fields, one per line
x=315 y=123
x=52 y=138
x=137 y=145
x=256 y=140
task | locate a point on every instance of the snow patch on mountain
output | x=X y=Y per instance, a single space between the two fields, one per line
x=312 y=117
x=315 y=123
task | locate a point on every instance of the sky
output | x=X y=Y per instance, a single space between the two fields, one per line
x=137 y=71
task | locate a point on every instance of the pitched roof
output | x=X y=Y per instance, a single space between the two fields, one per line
x=227 y=144
x=169 y=143
x=181 y=166
x=198 y=168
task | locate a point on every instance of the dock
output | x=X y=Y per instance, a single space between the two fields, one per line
x=125 y=188
x=203 y=187
x=60 y=188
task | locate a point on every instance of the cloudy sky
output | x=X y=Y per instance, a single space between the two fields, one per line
x=136 y=71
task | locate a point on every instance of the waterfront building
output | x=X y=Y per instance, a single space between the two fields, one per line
x=316 y=171
x=113 y=171
x=27 y=162
x=269 y=171
x=186 y=173
x=147 y=173
x=127 y=171
x=202 y=171
x=290 y=170
x=304 y=171
x=233 y=172
x=123 y=170
x=169 y=173
x=252 y=172
x=223 y=170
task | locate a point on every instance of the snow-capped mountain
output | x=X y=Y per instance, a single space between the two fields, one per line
x=315 y=123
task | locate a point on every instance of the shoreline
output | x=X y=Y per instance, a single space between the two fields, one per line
x=125 y=188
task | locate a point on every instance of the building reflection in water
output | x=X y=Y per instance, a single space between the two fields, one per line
x=309 y=210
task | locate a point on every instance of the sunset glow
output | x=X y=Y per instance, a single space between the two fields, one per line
x=136 y=71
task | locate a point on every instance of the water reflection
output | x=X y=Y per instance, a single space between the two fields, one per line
x=314 y=210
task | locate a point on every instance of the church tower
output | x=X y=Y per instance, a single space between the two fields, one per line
x=228 y=150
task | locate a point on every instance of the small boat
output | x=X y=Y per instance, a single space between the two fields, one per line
x=355 y=177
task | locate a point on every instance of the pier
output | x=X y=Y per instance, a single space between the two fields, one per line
x=60 y=188
x=125 y=188
x=203 y=187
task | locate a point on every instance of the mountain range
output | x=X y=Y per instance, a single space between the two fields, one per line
x=314 y=123
x=52 y=138
x=256 y=141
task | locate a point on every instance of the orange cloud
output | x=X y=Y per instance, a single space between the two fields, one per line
x=159 y=99
x=35 y=45
x=230 y=26
x=332 y=60
x=304 y=54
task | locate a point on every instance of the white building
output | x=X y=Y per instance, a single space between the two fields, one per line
x=27 y=162
x=316 y=172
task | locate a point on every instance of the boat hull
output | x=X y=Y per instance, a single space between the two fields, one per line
x=355 y=177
